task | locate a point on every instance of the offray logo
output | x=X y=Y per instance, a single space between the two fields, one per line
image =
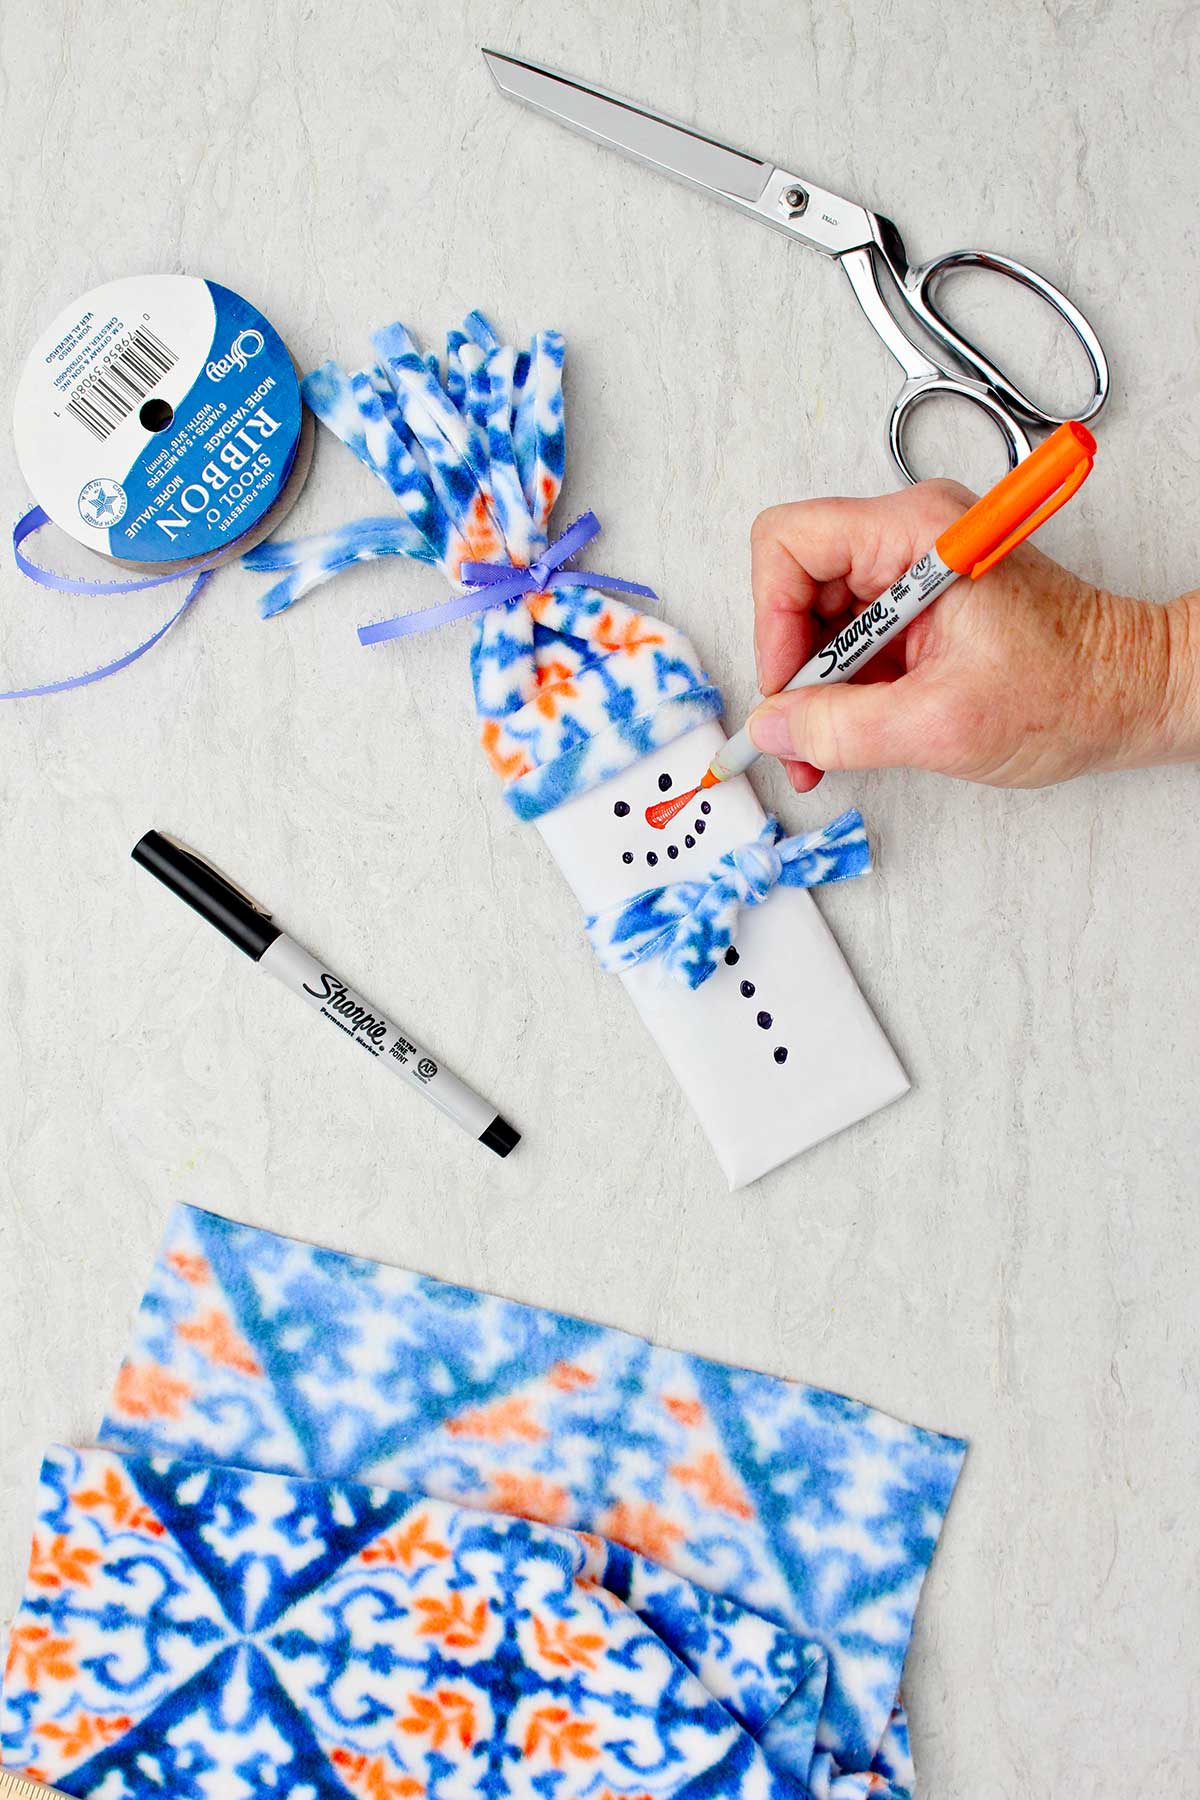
x=246 y=344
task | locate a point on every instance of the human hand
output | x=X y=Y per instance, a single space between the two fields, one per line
x=1023 y=678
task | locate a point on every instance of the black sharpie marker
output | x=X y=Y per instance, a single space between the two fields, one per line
x=247 y=925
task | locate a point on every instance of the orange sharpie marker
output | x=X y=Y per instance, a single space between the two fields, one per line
x=1026 y=497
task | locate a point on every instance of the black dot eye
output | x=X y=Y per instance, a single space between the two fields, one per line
x=765 y=1020
x=731 y=956
x=621 y=809
x=627 y=856
x=672 y=851
x=651 y=858
x=705 y=807
x=748 y=990
x=699 y=825
x=781 y=1054
x=664 y=782
x=690 y=841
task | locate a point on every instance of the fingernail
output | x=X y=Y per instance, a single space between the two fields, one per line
x=770 y=732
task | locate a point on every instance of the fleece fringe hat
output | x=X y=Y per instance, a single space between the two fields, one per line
x=571 y=684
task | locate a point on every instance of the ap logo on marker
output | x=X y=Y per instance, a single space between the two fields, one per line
x=102 y=502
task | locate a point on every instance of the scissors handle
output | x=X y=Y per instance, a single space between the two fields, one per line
x=968 y=374
x=919 y=285
x=924 y=377
x=955 y=387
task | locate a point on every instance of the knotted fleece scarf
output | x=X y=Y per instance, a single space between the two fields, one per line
x=690 y=924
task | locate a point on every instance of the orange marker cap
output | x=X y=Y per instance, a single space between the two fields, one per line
x=1023 y=500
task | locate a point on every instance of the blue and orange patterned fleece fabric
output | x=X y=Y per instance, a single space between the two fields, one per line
x=571 y=684
x=579 y=1566
x=198 y=1630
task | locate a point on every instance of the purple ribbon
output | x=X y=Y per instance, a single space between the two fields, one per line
x=500 y=584
x=33 y=521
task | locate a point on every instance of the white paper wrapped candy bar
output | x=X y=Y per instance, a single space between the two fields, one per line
x=778 y=1049
x=587 y=708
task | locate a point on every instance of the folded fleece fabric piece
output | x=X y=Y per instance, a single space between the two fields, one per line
x=196 y=1630
x=816 y=1512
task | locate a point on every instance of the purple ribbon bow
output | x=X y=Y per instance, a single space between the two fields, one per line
x=500 y=584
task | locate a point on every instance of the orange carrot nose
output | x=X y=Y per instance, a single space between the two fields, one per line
x=664 y=810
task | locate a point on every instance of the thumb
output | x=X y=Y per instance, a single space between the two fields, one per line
x=879 y=725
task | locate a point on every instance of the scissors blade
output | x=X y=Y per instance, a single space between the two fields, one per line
x=821 y=220
x=620 y=125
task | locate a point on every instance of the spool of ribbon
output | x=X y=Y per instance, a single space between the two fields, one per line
x=690 y=924
x=158 y=420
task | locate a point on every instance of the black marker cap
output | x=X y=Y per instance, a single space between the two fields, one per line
x=500 y=1136
x=213 y=896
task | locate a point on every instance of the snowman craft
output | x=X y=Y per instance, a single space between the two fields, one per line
x=591 y=712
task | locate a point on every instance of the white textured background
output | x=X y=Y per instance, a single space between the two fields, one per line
x=1010 y=1252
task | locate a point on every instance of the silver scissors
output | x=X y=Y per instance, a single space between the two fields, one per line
x=868 y=246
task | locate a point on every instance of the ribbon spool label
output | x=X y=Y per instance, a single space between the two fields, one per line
x=158 y=418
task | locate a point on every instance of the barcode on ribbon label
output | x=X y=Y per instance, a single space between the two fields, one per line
x=110 y=395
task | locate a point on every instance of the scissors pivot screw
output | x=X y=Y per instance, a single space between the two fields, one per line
x=795 y=199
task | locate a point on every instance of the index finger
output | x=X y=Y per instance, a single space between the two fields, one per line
x=816 y=559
